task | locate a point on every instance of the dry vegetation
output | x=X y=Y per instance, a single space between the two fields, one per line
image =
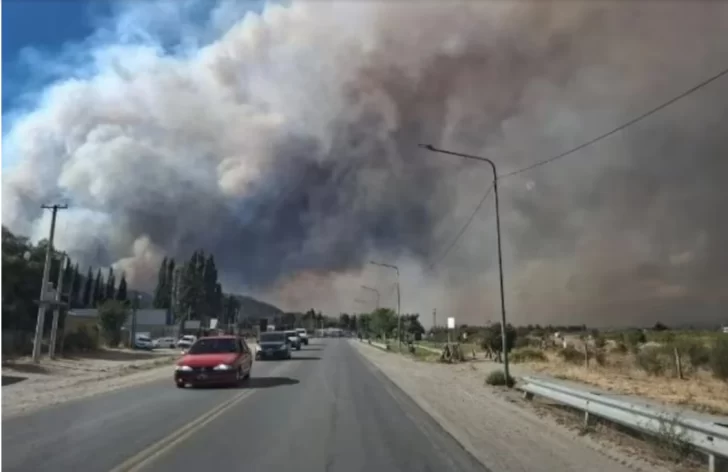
x=689 y=369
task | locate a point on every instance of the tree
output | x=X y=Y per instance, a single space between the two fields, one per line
x=98 y=293
x=121 y=291
x=88 y=290
x=383 y=322
x=344 y=321
x=110 y=291
x=493 y=339
x=76 y=288
x=112 y=316
x=162 y=285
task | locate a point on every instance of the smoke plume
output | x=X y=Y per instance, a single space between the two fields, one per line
x=286 y=144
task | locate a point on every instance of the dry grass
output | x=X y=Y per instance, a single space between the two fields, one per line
x=700 y=391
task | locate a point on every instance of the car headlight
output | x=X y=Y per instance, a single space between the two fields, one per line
x=223 y=367
x=183 y=368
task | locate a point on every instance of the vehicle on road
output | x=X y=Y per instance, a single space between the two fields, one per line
x=272 y=345
x=163 y=343
x=303 y=335
x=186 y=341
x=217 y=360
x=142 y=341
x=293 y=338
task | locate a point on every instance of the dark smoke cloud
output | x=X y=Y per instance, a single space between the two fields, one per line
x=288 y=147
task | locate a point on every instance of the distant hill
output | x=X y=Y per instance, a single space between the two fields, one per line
x=254 y=309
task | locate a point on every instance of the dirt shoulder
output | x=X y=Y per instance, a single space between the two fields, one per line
x=28 y=387
x=491 y=424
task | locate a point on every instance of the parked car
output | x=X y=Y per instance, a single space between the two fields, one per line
x=214 y=360
x=186 y=341
x=303 y=335
x=142 y=341
x=164 y=342
x=272 y=345
x=293 y=339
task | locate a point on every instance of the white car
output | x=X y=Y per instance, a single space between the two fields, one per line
x=164 y=342
x=303 y=335
x=143 y=342
x=186 y=341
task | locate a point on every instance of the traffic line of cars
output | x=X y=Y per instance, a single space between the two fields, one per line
x=228 y=360
x=279 y=344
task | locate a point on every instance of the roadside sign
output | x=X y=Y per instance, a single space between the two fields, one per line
x=451 y=323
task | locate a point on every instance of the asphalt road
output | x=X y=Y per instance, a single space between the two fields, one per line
x=325 y=410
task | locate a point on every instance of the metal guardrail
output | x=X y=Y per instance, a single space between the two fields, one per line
x=708 y=437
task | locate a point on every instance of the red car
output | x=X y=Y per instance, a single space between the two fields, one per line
x=216 y=360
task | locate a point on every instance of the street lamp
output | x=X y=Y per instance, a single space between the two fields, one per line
x=399 y=316
x=430 y=147
x=372 y=290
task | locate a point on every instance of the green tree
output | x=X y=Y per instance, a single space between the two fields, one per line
x=98 y=294
x=112 y=316
x=88 y=290
x=76 y=284
x=162 y=285
x=110 y=291
x=344 y=321
x=383 y=322
x=121 y=292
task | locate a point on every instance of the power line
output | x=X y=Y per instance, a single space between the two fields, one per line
x=462 y=230
x=620 y=127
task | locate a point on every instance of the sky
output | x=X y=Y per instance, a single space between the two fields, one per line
x=284 y=141
x=35 y=30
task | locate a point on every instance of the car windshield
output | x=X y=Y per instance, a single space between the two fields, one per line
x=214 y=346
x=271 y=338
x=291 y=333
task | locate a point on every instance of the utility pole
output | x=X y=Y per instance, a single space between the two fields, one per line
x=434 y=318
x=57 y=311
x=42 y=302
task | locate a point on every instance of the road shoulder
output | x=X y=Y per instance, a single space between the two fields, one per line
x=501 y=434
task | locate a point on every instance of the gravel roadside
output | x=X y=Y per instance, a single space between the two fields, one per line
x=501 y=434
x=28 y=387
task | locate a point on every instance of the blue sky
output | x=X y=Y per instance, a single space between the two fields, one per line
x=44 y=28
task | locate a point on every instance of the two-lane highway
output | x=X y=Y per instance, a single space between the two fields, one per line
x=325 y=410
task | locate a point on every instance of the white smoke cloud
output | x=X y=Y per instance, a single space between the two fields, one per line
x=286 y=143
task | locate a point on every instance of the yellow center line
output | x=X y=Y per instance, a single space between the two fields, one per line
x=144 y=458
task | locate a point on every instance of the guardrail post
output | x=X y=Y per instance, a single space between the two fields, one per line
x=717 y=464
x=527 y=395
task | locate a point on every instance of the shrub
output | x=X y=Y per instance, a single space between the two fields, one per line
x=654 y=360
x=633 y=338
x=80 y=340
x=522 y=342
x=571 y=354
x=619 y=348
x=112 y=316
x=719 y=358
x=498 y=378
x=528 y=354
x=695 y=350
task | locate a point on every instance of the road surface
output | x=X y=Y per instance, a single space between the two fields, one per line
x=325 y=410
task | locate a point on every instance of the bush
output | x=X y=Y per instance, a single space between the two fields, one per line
x=654 y=360
x=112 y=316
x=620 y=348
x=498 y=378
x=633 y=339
x=528 y=354
x=695 y=350
x=522 y=342
x=719 y=358
x=80 y=341
x=572 y=355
